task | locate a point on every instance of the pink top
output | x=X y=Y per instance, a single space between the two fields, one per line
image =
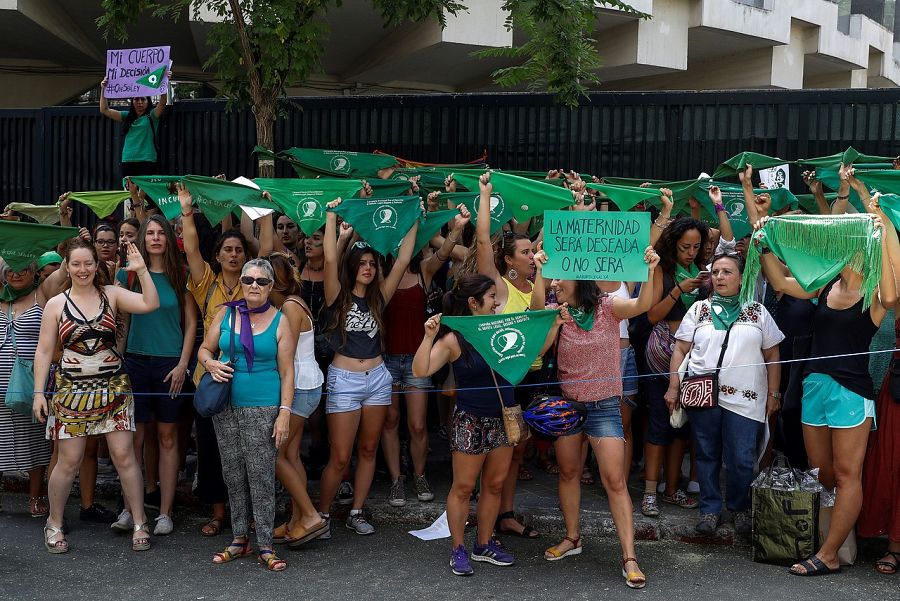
x=592 y=355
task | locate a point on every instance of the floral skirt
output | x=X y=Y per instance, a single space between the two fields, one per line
x=89 y=406
x=474 y=435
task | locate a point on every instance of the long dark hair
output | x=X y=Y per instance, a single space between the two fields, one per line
x=214 y=263
x=347 y=278
x=587 y=296
x=287 y=278
x=667 y=245
x=506 y=247
x=132 y=116
x=456 y=301
x=173 y=261
x=101 y=278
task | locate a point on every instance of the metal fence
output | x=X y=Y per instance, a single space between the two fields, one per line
x=668 y=135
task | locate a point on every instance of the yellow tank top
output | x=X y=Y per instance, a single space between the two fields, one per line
x=516 y=302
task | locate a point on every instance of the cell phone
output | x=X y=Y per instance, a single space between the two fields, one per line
x=703 y=274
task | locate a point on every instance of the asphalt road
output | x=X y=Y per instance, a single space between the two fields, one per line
x=391 y=564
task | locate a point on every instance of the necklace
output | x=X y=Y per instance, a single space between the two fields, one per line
x=313 y=269
x=229 y=289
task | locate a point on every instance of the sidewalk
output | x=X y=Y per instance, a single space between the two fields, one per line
x=536 y=500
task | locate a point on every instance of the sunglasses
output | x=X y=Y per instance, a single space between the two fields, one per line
x=248 y=280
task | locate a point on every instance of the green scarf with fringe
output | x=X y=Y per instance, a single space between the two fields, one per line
x=816 y=248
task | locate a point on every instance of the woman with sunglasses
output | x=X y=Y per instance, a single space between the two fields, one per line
x=257 y=421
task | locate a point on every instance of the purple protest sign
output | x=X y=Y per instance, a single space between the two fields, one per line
x=132 y=72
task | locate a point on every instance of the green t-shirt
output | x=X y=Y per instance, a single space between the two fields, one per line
x=139 y=144
x=158 y=333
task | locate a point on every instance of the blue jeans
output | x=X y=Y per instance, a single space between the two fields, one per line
x=721 y=434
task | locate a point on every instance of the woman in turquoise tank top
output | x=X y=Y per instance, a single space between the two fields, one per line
x=261 y=374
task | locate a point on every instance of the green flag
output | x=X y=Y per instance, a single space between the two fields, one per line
x=388 y=188
x=509 y=343
x=381 y=222
x=161 y=190
x=340 y=163
x=430 y=225
x=304 y=200
x=739 y=162
x=218 y=197
x=524 y=197
x=152 y=79
x=101 y=203
x=46 y=214
x=22 y=243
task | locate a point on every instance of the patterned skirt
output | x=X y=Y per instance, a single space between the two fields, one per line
x=89 y=406
x=474 y=435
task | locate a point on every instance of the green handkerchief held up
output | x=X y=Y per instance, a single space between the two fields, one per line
x=304 y=200
x=46 y=214
x=381 y=222
x=218 y=197
x=430 y=225
x=525 y=197
x=739 y=162
x=161 y=190
x=340 y=163
x=508 y=343
x=101 y=203
x=22 y=243
x=387 y=188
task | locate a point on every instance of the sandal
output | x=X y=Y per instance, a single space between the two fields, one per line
x=141 y=543
x=886 y=566
x=548 y=465
x=227 y=556
x=587 y=479
x=633 y=579
x=527 y=531
x=297 y=537
x=38 y=507
x=555 y=554
x=524 y=474
x=58 y=546
x=280 y=533
x=813 y=567
x=213 y=527
x=272 y=563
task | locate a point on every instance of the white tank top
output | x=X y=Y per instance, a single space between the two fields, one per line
x=622 y=292
x=307 y=374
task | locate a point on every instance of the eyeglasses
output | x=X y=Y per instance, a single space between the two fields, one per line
x=106 y=242
x=248 y=280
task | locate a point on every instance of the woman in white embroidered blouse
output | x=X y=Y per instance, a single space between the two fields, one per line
x=747 y=389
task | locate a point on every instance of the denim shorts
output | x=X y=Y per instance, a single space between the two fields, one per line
x=827 y=403
x=151 y=393
x=353 y=390
x=400 y=367
x=604 y=418
x=306 y=401
x=628 y=366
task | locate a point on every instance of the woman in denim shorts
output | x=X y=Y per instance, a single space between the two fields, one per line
x=358 y=383
x=593 y=332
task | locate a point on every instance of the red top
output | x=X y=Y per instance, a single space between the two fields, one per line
x=404 y=320
x=592 y=355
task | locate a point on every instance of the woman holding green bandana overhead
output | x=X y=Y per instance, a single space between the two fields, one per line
x=838 y=407
x=141 y=130
x=743 y=339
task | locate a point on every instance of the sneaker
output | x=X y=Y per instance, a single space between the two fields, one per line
x=327 y=534
x=493 y=552
x=742 y=522
x=124 y=523
x=681 y=499
x=345 y=493
x=648 y=505
x=397 y=497
x=423 y=491
x=164 y=525
x=693 y=488
x=459 y=562
x=358 y=522
x=152 y=500
x=97 y=513
x=707 y=524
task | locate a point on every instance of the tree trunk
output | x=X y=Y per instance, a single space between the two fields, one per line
x=264 y=113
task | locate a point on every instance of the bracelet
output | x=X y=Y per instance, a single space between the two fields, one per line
x=775 y=395
x=847 y=197
x=284 y=408
x=191 y=214
x=662 y=227
x=672 y=297
x=720 y=208
x=678 y=285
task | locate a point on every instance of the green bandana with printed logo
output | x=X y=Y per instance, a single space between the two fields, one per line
x=500 y=212
x=339 y=163
x=509 y=343
x=304 y=200
x=46 y=214
x=430 y=225
x=523 y=196
x=160 y=189
x=381 y=222
x=22 y=243
x=101 y=203
x=218 y=197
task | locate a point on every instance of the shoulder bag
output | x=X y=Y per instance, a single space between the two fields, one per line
x=20 y=389
x=212 y=397
x=702 y=391
x=513 y=420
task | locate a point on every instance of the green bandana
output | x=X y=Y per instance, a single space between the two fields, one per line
x=338 y=163
x=388 y=188
x=525 y=197
x=304 y=200
x=101 y=203
x=430 y=225
x=46 y=214
x=159 y=189
x=381 y=222
x=851 y=155
x=682 y=274
x=8 y=294
x=725 y=310
x=582 y=319
x=508 y=343
x=738 y=163
x=735 y=205
x=218 y=197
x=816 y=248
x=22 y=243
x=627 y=192
x=500 y=212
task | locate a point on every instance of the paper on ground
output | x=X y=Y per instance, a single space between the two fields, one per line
x=439 y=529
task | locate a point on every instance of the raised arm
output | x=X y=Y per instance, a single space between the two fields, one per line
x=132 y=302
x=625 y=308
x=330 y=249
x=715 y=196
x=104 y=105
x=437 y=259
x=539 y=289
x=404 y=256
x=843 y=198
x=818 y=192
x=431 y=355
x=247 y=230
x=266 y=235
x=665 y=215
x=484 y=250
x=189 y=235
x=163 y=100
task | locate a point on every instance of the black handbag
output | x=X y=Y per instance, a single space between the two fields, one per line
x=702 y=390
x=212 y=397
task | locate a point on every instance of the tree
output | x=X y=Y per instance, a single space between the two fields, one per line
x=262 y=47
